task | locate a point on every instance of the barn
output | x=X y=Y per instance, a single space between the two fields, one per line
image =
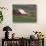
x=19 y=12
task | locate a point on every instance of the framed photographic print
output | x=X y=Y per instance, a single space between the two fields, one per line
x=25 y=13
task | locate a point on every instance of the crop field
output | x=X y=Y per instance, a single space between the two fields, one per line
x=25 y=19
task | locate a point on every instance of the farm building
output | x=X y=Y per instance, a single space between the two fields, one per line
x=19 y=12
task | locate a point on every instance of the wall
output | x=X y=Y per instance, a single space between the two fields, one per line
x=23 y=29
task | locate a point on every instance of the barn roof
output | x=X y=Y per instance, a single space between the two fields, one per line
x=22 y=11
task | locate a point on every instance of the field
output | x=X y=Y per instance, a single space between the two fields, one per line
x=25 y=19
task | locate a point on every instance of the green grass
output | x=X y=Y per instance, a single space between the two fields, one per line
x=24 y=18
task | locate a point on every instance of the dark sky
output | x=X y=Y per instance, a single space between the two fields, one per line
x=25 y=7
